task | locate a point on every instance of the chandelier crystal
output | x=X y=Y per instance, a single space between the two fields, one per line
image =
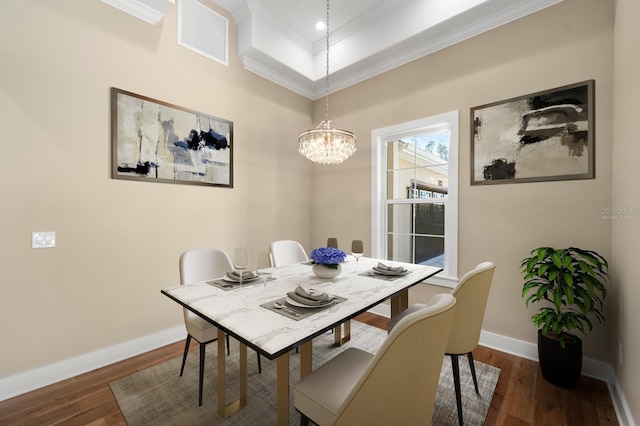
x=325 y=145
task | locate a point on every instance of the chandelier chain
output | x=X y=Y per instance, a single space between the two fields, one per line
x=327 y=73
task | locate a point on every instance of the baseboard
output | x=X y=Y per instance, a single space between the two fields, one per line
x=590 y=367
x=34 y=379
x=620 y=404
x=27 y=381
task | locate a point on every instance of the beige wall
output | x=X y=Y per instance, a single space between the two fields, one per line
x=118 y=242
x=566 y=43
x=626 y=175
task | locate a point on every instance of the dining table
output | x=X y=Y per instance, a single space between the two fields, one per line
x=248 y=314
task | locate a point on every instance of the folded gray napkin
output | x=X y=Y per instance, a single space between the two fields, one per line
x=312 y=294
x=246 y=275
x=313 y=298
x=384 y=267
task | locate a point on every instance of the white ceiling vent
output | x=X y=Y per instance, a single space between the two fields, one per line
x=203 y=31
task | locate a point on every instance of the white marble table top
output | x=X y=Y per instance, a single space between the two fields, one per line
x=238 y=311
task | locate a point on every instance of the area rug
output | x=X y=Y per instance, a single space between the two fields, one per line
x=159 y=396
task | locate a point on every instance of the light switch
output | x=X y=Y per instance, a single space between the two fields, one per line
x=43 y=239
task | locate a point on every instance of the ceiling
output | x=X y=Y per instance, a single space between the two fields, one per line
x=278 y=41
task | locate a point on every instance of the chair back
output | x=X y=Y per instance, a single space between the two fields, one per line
x=200 y=265
x=286 y=252
x=203 y=264
x=399 y=385
x=471 y=293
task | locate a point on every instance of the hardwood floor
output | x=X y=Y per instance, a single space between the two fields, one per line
x=522 y=397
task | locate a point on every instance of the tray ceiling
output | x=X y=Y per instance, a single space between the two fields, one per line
x=278 y=41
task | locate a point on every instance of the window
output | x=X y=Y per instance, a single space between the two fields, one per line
x=415 y=194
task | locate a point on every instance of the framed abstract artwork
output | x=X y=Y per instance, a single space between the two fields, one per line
x=543 y=136
x=155 y=141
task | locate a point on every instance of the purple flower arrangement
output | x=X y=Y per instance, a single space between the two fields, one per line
x=328 y=256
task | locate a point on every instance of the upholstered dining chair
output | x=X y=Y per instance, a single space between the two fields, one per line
x=286 y=252
x=196 y=266
x=396 y=386
x=471 y=292
x=332 y=242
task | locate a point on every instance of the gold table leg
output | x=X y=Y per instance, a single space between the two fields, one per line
x=223 y=409
x=338 y=338
x=399 y=303
x=306 y=350
x=283 y=389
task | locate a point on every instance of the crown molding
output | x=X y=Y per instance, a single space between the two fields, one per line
x=150 y=11
x=378 y=41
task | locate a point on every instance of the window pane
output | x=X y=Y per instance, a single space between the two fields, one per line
x=416 y=233
x=400 y=247
x=429 y=219
x=400 y=218
x=400 y=154
x=430 y=251
x=434 y=145
x=433 y=178
x=400 y=184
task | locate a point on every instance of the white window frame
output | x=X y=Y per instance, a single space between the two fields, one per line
x=379 y=138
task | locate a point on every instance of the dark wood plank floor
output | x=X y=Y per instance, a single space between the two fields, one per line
x=522 y=397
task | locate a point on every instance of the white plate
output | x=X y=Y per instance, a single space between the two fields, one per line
x=302 y=305
x=237 y=280
x=391 y=273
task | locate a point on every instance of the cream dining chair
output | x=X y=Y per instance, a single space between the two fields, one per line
x=286 y=252
x=196 y=266
x=471 y=293
x=396 y=386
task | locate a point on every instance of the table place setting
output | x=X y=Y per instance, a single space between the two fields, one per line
x=386 y=272
x=301 y=303
x=232 y=280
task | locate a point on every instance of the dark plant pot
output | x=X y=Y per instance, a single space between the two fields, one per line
x=559 y=366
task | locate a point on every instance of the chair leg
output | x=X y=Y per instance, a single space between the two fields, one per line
x=186 y=351
x=456 y=382
x=473 y=371
x=259 y=363
x=202 y=352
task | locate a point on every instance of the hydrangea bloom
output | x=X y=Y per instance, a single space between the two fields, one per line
x=328 y=256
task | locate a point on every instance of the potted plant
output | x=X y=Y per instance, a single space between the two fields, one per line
x=571 y=284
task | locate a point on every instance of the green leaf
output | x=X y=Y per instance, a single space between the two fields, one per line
x=574 y=281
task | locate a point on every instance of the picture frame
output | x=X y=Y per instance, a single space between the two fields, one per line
x=543 y=136
x=155 y=141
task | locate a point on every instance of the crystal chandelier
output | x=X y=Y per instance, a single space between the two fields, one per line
x=323 y=144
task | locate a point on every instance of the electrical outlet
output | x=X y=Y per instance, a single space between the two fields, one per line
x=43 y=239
